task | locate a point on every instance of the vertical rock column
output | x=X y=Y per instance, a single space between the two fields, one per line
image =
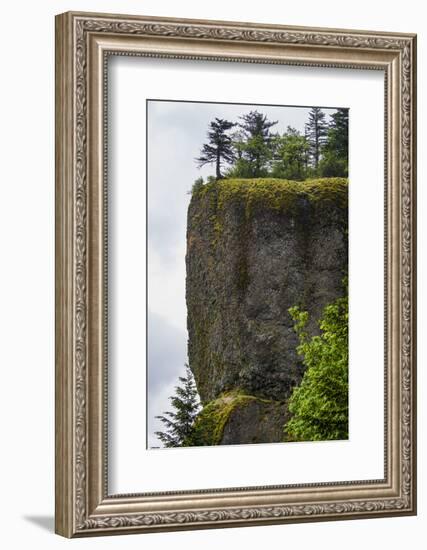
x=255 y=248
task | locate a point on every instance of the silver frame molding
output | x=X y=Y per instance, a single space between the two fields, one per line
x=83 y=43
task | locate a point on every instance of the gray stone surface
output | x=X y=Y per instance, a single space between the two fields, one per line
x=247 y=263
x=256 y=422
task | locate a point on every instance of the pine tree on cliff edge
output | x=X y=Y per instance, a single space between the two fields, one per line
x=257 y=146
x=220 y=147
x=179 y=423
x=316 y=131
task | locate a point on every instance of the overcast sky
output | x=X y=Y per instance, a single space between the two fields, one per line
x=176 y=133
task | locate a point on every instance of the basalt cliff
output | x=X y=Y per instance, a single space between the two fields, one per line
x=255 y=248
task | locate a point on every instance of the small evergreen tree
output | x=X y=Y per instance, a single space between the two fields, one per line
x=320 y=404
x=316 y=131
x=335 y=152
x=256 y=147
x=256 y=124
x=186 y=405
x=307 y=152
x=219 y=150
x=338 y=132
x=238 y=138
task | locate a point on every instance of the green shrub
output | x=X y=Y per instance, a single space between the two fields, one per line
x=320 y=404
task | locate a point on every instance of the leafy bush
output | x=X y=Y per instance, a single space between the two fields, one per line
x=197 y=185
x=320 y=404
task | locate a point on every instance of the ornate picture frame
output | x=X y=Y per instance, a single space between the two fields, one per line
x=84 y=42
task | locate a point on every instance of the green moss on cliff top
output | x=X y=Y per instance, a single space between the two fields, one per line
x=277 y=194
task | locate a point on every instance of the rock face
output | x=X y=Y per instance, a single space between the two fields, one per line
x=235 y=418
x=255 y=248
x=257 y=422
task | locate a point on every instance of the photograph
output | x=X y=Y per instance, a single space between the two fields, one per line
x=247 y=273
x=235 y=272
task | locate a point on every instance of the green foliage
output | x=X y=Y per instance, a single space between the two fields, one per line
x=291 y=156
x=320 y=404
x=179 y=422
x=277 y=194
x=316 y=131
x=338 y=133
x=256 y=124
x=253 y=151
x=220 y=147
x=256 y=155
x=331 y=165
x=197 y=185
x=334 y=160
x=253 y=146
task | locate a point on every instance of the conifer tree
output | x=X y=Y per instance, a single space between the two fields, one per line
x=220 y=149
x=334 y=162
x=338 y=133
x=179 y=422
x=256 y=149
x=316 y=130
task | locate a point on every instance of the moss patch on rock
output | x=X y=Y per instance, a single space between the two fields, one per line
x=277 y=194
x=209 y=424
x=212 y=421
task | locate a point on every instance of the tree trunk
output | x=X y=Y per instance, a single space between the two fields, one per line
x=316 y=154
x=218 y=167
